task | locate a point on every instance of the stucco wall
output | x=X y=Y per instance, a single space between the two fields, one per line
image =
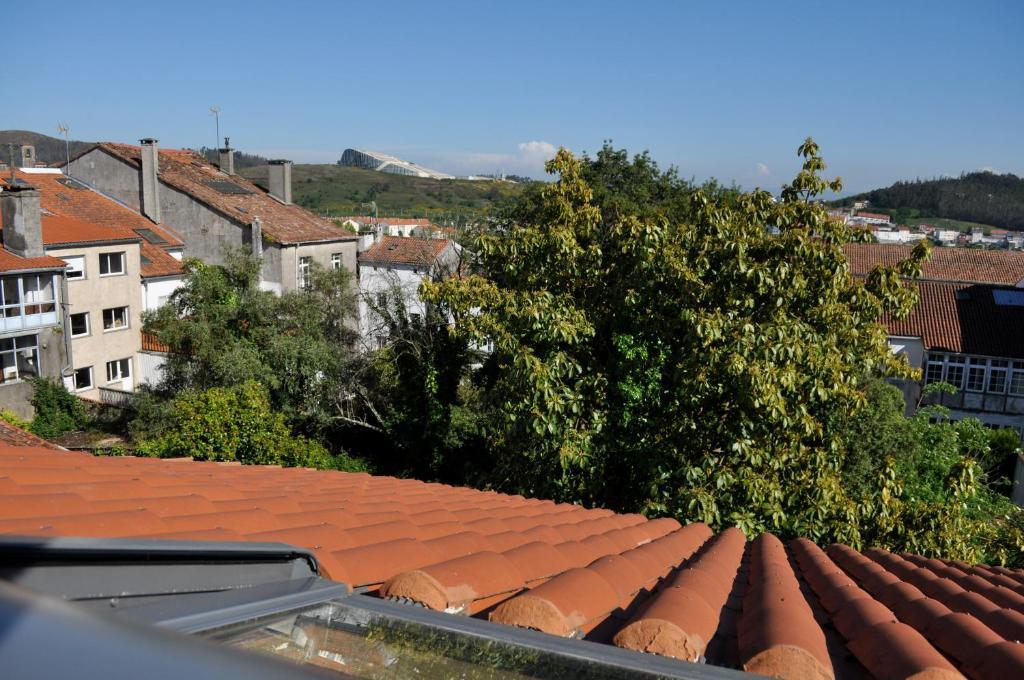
x=93 y=294
x=321 y=254
x=155 y=291
x=15 y=396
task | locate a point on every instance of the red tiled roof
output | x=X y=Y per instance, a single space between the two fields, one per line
x=61 y=229
x=9 y=262
x=793 y=611
x=191 y=173
x=68 y=198
x=877 y=216
x=946 y=264
x=150 y=343
x=408 y=250
x=964 y=318
x=15 y=436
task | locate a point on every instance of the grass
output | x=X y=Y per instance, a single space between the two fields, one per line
x=335 y=190
x=947 y=223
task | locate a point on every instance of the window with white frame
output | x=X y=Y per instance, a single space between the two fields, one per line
x=111 y=264
x=976 y=374
x=305 y=264
x=335 y=260
x=997 y=371
x=955 y=368
x=76 y=266
x=115 y=318
x=27 y=294
x=121 y=369
x=1017 y=379
x=19 y=358
x=936 y=363
x=83 y=379
x=79 y=324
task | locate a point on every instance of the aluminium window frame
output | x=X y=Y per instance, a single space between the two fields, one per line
x=74 y=379
x=114 y=310
x=123 y=258
x=118 y=363
x=88 y=325
x=83 y=272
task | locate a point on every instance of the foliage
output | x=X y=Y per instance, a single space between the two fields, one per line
x=237 y=424
x=223 y=331
x=56 y=410
x=981 y=196
x=14 y=419
x=676 y=349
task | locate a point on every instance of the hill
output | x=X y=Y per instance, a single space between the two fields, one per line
x=982 y=197
x=339 y=190
x=49 y=149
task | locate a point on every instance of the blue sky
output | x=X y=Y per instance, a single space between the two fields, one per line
x=726 y=89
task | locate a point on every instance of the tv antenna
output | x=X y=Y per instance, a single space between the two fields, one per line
x=215 y=112
x=62 y=129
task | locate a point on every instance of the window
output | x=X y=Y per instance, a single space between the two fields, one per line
x=19 y=357
x=335 y=260
x=976 y=375
x=304 y=265
x=76 y=266
x=115 y=318
x=83 y=378
x=79 y=324
x=1017 y=379
x=111 y=264
x=935 y=364
x=955 y=372
x=119 y=370
x=997 y=376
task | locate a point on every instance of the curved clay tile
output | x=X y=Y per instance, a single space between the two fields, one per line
x=460 y=544
x=372 y=564
x=538 y=561
x=569 y=605
x=895 y=650
x=457 y=585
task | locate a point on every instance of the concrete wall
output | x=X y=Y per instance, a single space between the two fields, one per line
x=15 y=396
x=93 y=294
x=913 y=349
x=155 y=291
x=321 y=254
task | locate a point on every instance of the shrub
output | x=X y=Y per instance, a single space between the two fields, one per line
x=57 y=410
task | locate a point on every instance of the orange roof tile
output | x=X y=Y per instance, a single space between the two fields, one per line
x=9 y=262
x=964 y=318
x=60 y=230
x=10 y=434
x=789 y=610
x=194 y=175
x=69 y=199
x=1004 y=267
x=410 y=250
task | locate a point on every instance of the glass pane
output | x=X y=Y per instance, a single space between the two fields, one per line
x=997 y=380
x=11 y=295
x=28 y=362
x=976 y=379
x=364 y=644
x=80 y=323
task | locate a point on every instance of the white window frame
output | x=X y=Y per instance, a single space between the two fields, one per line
x=1016 y=372
x=303 y=268
x=74 y=380
x=21 y=307
x=336 y=261
x=997 y=366
x=117 y=365
x=19 y=346
x=124 y=264
x=127 y=319
x=976 y=367
x=88 y=325
x=74 y=273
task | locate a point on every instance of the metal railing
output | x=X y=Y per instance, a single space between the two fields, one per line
x=114 y=397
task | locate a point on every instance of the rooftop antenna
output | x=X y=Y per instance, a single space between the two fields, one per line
x=215 y=112
x=62 y=129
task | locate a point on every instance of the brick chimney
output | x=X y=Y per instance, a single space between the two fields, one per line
x=281 y=180
x=227 y=157
x=150 y=156
x=23 y=229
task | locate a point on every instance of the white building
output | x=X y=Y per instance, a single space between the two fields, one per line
x=395 y=263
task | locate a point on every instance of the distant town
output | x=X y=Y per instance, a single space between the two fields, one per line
x=885 y=230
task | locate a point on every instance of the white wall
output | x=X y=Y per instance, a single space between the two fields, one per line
x=380 y=279
x=155 y=291
x=150 y=367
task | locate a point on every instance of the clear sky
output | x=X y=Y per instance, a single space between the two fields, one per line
x=726 y=89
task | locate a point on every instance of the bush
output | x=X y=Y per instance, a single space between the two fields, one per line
x=237 y=424
x=57 y=410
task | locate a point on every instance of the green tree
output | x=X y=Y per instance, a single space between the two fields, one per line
x=676 y=350
x=56 y=410
x=237 y=424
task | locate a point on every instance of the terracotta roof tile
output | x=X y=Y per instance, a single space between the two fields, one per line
x=411 y=250
x=964 y=318
x=10 y=434
x=654 y=586
x=1003 y=267
x=194 y=175
x=9 y=262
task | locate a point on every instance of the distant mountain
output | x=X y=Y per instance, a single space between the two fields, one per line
x=983 y=197
x=242 y=160
x=49 y=149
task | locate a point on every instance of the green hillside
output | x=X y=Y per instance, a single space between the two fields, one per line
x=980 y=197
x=49 y=150
x=339 y=190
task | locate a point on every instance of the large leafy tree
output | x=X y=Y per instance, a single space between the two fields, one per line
x=676 y=349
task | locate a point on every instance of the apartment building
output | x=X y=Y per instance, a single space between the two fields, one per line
x=211 y=208
x=32 y=285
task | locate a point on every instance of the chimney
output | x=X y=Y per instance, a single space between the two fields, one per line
x=256 y=234
x=227 y=157
x=150 y=178
x=23 y=229
x=366 y=239
x=281 y=180
x=28 y=156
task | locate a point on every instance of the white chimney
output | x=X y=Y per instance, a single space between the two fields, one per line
x=256 y=236
x=281 y=180
x=150 y=157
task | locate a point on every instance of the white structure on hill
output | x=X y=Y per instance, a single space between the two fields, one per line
x=382 y=162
